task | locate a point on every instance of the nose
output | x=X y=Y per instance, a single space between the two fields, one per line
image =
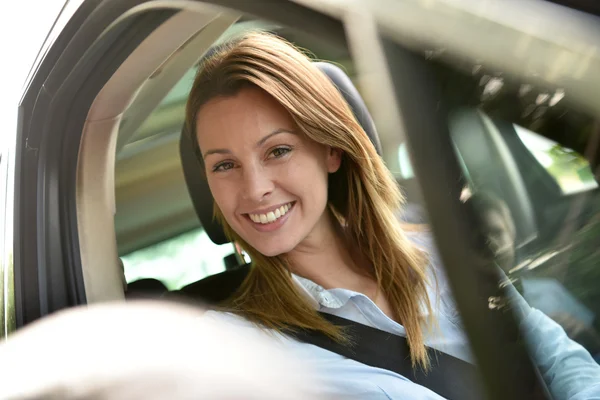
x=257 y=184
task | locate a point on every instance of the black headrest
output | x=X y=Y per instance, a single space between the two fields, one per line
x=193 y=171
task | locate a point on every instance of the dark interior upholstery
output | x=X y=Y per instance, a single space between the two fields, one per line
x=145 y=288
x=216 y=288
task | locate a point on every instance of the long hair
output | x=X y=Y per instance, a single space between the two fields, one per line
x=362 y=194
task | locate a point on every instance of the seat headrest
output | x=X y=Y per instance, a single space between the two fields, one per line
x=194 y=174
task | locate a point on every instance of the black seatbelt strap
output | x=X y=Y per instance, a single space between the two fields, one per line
x=450 y=377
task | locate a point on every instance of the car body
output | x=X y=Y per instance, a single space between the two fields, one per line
x=465 y=95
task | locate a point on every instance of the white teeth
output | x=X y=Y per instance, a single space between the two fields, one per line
x=271 y=216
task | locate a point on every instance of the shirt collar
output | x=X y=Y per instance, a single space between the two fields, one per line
x=321 y=297
x=442 y=302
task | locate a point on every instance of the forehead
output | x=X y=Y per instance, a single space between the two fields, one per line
x=250 y=113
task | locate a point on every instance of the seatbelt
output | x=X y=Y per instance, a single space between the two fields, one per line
x=449 y=377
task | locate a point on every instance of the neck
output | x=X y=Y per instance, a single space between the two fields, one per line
x=325 y=257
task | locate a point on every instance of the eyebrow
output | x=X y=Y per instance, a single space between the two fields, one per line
x=258 y=144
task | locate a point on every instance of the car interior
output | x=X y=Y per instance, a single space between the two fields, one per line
x=145 y=212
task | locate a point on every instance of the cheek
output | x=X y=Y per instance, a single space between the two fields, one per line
x=306 y=174
x=223 y=196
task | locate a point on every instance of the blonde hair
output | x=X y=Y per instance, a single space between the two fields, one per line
x=363 y=194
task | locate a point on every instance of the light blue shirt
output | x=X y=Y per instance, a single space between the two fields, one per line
x=567 y=368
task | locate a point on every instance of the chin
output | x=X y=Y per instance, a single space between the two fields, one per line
x=273 y=250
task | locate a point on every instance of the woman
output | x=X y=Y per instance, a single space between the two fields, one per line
x=298 y=184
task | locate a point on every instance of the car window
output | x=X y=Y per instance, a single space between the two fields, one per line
x=537 y=200
x=7 y=306
x=405 y=167
x=178 y=261
x=3 y=249
x=570 y=170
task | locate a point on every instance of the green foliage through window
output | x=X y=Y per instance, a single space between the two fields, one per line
x=571 y=170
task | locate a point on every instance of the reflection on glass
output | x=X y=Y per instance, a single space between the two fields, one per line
x=528 y=161
x=560 y=274
x=571 y=170
x=406 y=170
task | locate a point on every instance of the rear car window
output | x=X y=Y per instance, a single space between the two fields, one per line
x=178 y=261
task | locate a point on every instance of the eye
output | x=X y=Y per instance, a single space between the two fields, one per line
x=279 y=152
x=224 y=166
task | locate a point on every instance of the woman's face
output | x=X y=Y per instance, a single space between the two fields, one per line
x=268 y=179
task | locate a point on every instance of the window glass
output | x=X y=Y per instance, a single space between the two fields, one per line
x=406 y=170
x=571 y=170
x=178 y=261
x=512 y=139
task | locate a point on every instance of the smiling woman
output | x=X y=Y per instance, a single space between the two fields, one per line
x=264 y=168
x=273 y=131
x=298 y=185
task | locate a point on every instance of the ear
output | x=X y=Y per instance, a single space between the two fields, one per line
x=334 y=160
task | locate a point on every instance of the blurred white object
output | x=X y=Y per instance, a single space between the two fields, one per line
x=145 y=350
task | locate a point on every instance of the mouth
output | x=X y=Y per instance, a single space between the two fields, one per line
x=271 y=219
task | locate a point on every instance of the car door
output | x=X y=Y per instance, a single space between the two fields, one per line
x=101 y=35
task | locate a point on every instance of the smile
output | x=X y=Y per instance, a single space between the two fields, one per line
x=271 y=216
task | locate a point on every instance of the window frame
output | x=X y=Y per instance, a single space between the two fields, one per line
x=492 y=335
